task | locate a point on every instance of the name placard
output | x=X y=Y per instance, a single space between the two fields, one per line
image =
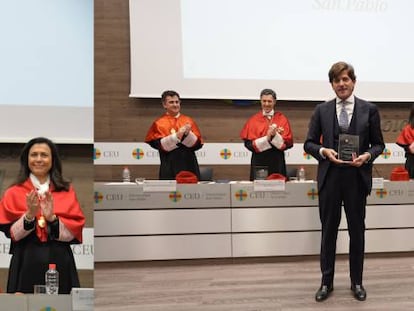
x=82 y=299
x=378 y=183
x=159 y=185
x=269 y=185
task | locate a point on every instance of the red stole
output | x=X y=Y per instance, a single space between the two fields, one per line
x=258 y=125
x=167 y=125
x=65 y=206
x=406 y=136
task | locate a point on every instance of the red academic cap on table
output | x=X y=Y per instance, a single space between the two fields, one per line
x=276 y=176
x=186 y=177
x=399 y=173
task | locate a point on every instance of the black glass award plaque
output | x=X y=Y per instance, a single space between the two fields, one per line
x=348 y=147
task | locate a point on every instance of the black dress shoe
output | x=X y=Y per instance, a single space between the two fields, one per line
x=323 y=292
x=359 y=292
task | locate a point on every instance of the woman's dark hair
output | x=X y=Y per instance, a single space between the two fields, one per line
x=55 y=171
x=411 y=117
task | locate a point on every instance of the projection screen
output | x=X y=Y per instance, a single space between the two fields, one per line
x=231 y=49
x=46 y=76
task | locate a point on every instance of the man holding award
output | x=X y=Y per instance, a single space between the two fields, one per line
x=345 y=137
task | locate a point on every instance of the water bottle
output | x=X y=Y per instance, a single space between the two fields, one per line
x=52 y=280
x=301 y=174
x=126 y=175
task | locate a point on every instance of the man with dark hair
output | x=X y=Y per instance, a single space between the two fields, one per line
x=267 y=135
x=176 y=137
x=344 y=176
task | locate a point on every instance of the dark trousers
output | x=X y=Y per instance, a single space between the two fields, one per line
x=342 y=185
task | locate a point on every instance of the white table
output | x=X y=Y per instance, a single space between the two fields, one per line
x=233 y=220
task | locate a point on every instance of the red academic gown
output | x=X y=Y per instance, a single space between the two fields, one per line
x=182 y=157
x=32 y=254
x=272 y=158
x=405 y=139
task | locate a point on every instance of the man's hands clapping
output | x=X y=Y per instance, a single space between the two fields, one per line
x=183 y=131
x=271 y=132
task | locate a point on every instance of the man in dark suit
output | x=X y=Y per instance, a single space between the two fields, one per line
x=340 y=181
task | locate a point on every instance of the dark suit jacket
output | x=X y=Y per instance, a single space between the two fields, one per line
x=366 y=123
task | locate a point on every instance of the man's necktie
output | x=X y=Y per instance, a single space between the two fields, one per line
x=343 y=118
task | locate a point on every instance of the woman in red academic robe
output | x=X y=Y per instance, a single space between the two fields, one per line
x=41 y=215
x=267 y=135
x=406 y=141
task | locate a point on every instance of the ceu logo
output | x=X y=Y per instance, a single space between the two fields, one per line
x=98 y=197
x=381 y=193
x=137 y=153
x=225 y=154
x=241 y=195
x=96 y=153
x=312 y=194
x=175 y=196
x=48 y=309
x=307 y=156
x=201 y=154
x=386 y=154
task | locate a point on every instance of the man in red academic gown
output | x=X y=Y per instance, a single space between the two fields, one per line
x=176 y=137
x=267 y=135
x=406 y=141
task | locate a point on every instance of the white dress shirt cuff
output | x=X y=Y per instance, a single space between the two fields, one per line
x=64 y=234
x=369 y=159
x=277 y=141
x=17 y=231
x=261 y=144
x=169 y=143
x=190 y=140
